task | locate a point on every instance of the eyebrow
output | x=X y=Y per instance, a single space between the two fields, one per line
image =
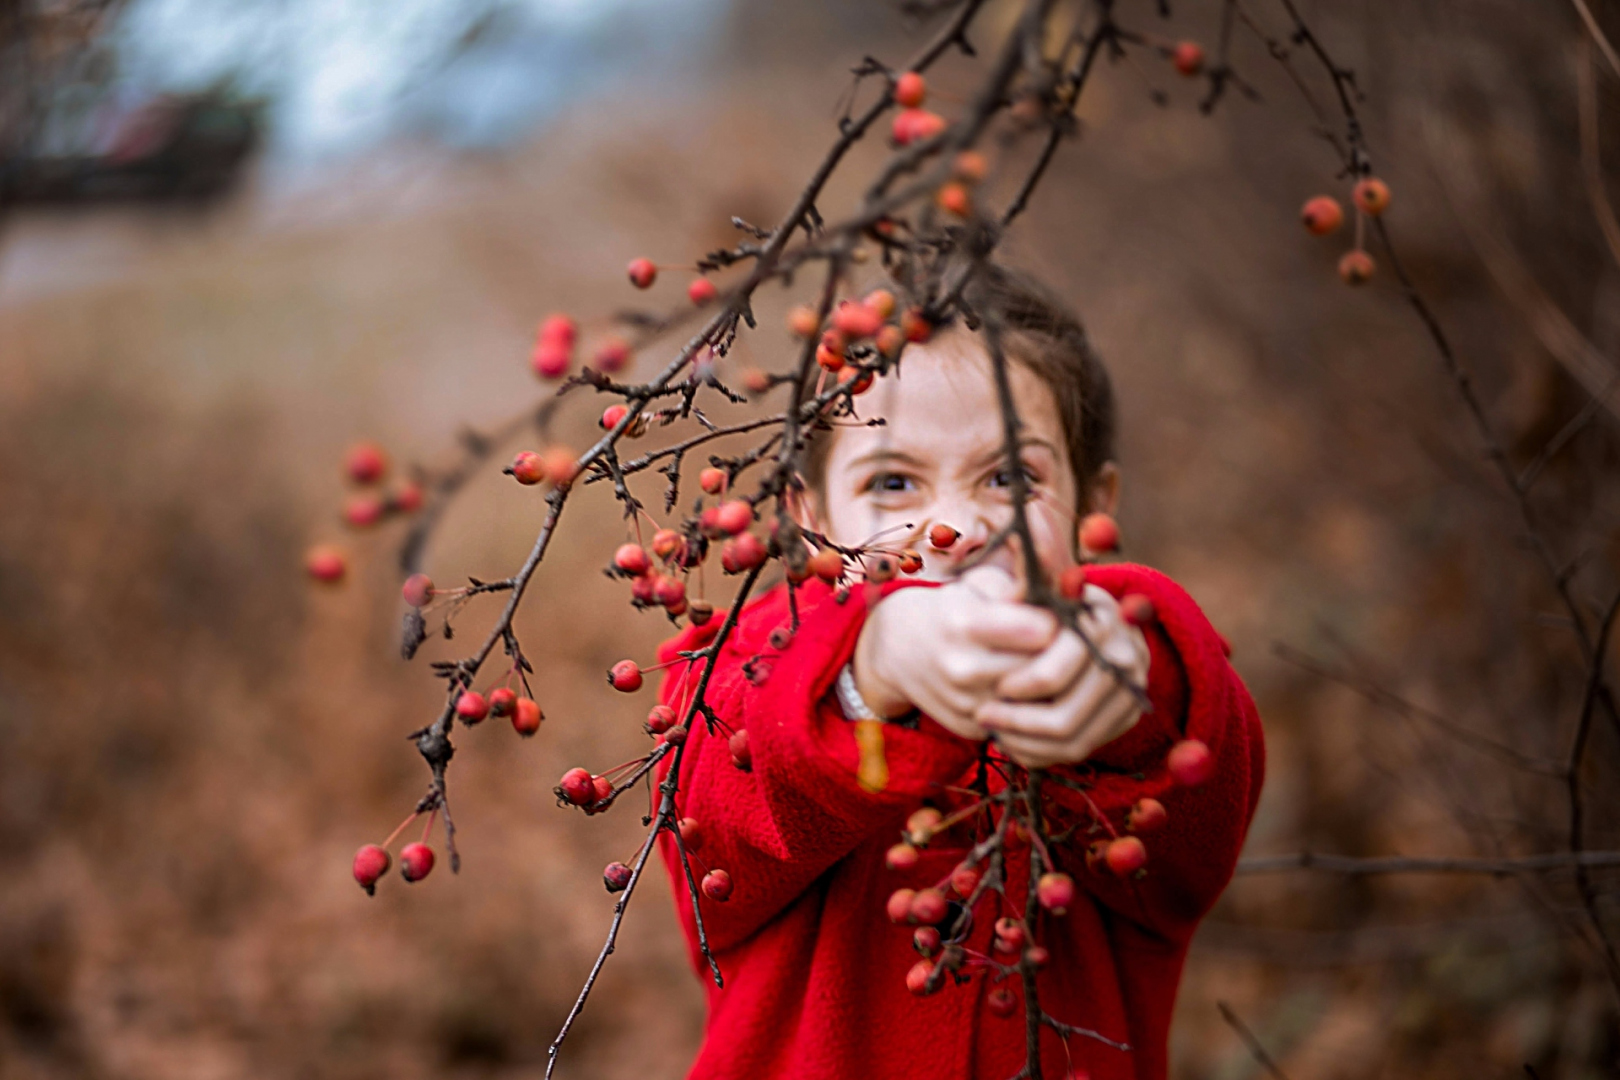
x=886 y=455
x=999 y=452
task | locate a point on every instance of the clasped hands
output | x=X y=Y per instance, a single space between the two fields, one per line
x=984 y=664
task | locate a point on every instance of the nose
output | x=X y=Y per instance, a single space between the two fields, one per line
x=974 y=531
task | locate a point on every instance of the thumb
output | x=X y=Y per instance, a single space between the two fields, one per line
x=993 y=583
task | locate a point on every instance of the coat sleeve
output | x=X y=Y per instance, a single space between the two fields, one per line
x=799 y=809
x=1195 y=694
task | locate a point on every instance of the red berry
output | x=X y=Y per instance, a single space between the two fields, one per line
x=709 y=523
x=418 y=590
x=1190 y=762
x=922 y=824
x=964 y=879
x=577 y=787
x=408 y=499
x=970 y=167
x=642 y=273
x=364 y=509
x=1146 y=816
x=526 y=716
x=735 y=516
x=1125 y=856
x=1356 y=268
x=1009 y=934
x=917 y=978
x=660 y=718
x=902 y=856
x=1037 y=956
x=828 y=359
x=1001 y=1002
x=643 y=590
x=910 y=89
x=1071 y=582
x=559 y=329
x=1188 y=56
x=899 y=906
x=691 y=834
x=616 y=876
x=827 y=564
x=669 y=591
x=1371 y=195
x=742 y=554
x=1322 y=215
x=803 y=322
x=700 y=612
x=1055 y=892
x=471 y=707
x=415 y=861
x=925 y=939
x=916 y=325
x=667 y=543
x=527 y=467
x=910 y=562
x=953 y=198
x=365 y=463
x=612 y=415
x=712 y=480
x=560 y=465
x=1136 y=609
x=856 y=320
x=502 y=700
x=674 y=736
x=928 y=906
x=632 y=559
x=942 y=536
x=880 y=301
x=890 y=340
x=1098 y=534
x=601 y=789
x=916 y=125
x=611 y=355
x=717 y=886
x=325 y=563
x=625 y=676
x=741 y=755
x=550 y=359
x=701 y=291
x=371 y=863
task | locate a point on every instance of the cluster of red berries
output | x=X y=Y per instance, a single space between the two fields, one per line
x=1322 y=216
x=472 y=708
x=554 y=345
x=365 y=466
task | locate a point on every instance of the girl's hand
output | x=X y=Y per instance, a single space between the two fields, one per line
x=945 y=650
x=1062 y=705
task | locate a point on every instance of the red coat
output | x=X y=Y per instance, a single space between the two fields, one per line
x=815 y=972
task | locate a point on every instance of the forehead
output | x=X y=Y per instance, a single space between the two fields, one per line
x=942 y=403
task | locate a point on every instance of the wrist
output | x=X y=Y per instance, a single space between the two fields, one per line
x=880 y=695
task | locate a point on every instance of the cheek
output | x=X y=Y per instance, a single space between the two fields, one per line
x=1053 y=531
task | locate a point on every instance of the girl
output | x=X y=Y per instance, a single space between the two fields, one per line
x=815 y=971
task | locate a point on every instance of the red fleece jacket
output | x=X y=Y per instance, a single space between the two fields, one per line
x=815 y=972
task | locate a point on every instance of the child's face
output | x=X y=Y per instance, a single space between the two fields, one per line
x=939 y=460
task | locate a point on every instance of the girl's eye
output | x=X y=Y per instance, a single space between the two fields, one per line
x=889 y=481
x=1004 y=478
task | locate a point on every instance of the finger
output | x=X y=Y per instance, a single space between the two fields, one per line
x=992 y=583
x=1011 y=626
x=979 y=670
x=1051 y=674
x=1033 y=753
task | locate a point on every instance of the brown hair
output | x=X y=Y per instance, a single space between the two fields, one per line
x=1041 y=333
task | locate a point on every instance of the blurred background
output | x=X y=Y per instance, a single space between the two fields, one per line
x=235 y=239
